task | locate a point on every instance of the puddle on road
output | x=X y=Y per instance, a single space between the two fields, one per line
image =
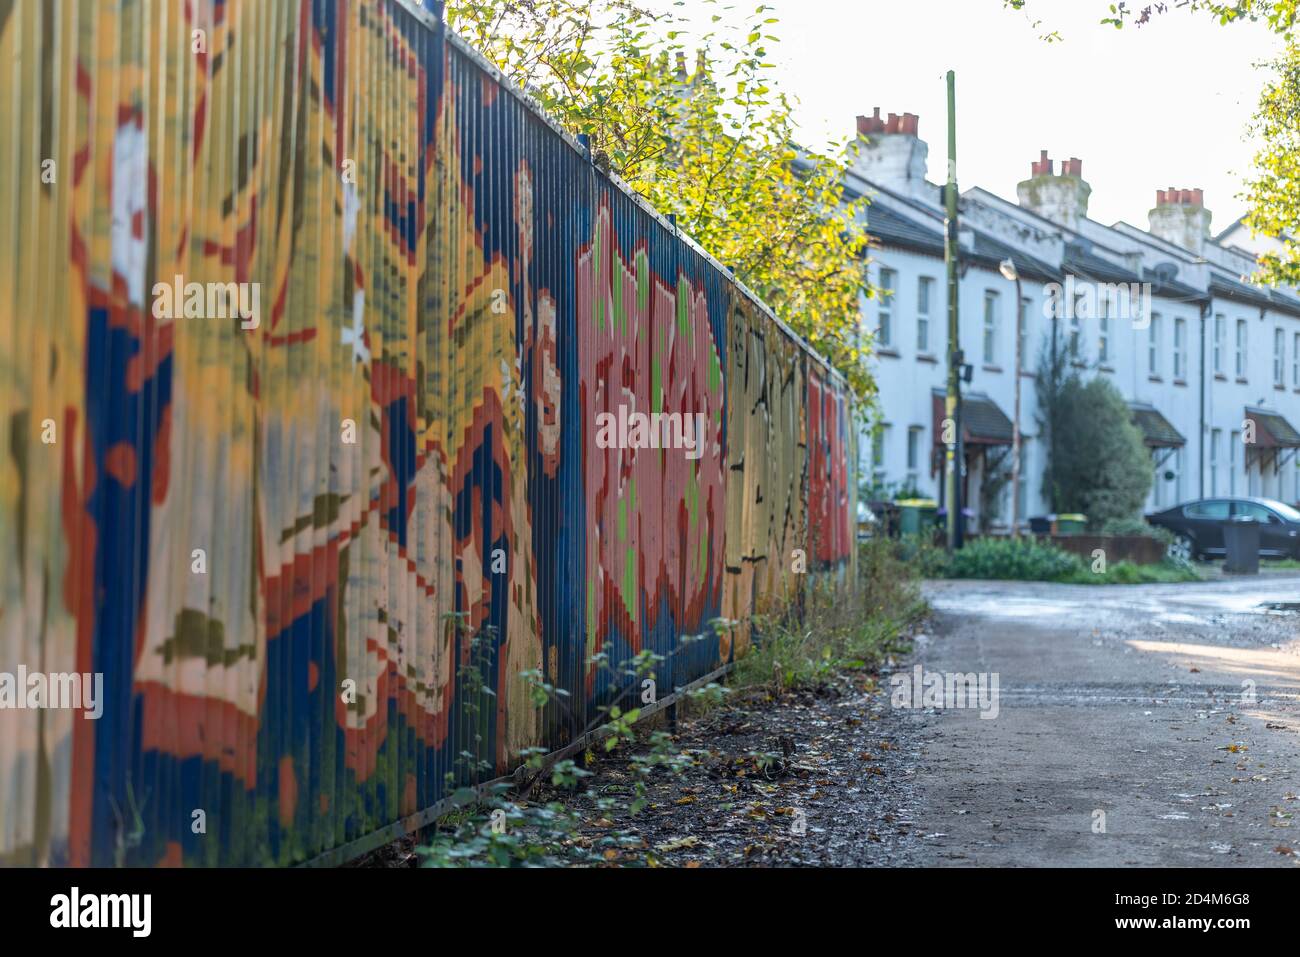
x=1001 y=605
x=1187 y=604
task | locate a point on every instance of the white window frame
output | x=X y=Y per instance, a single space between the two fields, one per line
x=914 y=434
x=885 y=312
x=1220 y=334
x=1103 y=330
x=1243 y=336
x=1180 y=463
x=1153 y=345
x=880 y=455
x=1022 y=330
x=992 y=304
x=924 y=304
x=1180 y=349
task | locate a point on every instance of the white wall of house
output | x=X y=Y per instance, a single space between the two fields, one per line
x=1152 y=348
x=911 y=361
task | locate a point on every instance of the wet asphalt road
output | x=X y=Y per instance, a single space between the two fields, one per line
x=1126 y=732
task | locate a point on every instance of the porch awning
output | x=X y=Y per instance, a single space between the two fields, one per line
x=1157 y=432
x=982 y=422
x=1272 y=431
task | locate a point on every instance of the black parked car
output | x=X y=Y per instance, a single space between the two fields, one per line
x=1198 y=526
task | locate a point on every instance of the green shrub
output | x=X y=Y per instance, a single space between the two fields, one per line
x=922 y=555
x=1023 y=559
x=1097 y=462
x=1136 y=526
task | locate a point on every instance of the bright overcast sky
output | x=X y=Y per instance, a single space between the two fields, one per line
x=1144 y=108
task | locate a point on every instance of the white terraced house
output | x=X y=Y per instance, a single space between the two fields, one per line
x=1203 y=356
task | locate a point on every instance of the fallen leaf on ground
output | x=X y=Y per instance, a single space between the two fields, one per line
x=678 y=844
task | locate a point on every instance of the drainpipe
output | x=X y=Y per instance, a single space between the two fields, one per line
x=1205 y=315
x=1009 y=271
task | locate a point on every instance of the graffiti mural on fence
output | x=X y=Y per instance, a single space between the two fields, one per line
x=655 y=516
x=829 y=494
x=305 y=325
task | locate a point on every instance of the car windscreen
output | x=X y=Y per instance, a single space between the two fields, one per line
x=1286 y=511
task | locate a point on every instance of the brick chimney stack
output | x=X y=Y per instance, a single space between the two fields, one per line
x=892 y=154
x=1063 y=197
x=1180 y=217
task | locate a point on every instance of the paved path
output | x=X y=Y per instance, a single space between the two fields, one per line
x=1132 y=701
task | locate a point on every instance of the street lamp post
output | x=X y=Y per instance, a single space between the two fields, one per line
x=952 y=399
x=1009 y=271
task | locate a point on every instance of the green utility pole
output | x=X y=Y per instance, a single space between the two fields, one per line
x=952 y=406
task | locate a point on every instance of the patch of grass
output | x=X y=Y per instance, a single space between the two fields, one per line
x=1279 y=563
x=840 y=628
x=1131 y=573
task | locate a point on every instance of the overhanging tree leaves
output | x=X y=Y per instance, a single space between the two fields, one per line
x=1273 y=192
x=713 y=145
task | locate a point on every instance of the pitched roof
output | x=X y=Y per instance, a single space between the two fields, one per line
x=1169 y=288
x=1231 y=289
x=982 y=421
x=892 y=228
x=991 y=252
x=1084 y=263
x=1272 y=431
x=1157 y=431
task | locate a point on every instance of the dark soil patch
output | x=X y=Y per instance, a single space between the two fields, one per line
x=819 y=777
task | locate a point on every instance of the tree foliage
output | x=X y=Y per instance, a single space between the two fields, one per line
x=1098 y=463
x=1274 y=191
x=714 y=145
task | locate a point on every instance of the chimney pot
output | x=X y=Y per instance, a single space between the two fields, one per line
x=906 y=123
x=895 y=155
x=1063 y=199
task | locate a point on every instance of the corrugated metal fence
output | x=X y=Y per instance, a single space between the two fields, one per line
x=307 y=324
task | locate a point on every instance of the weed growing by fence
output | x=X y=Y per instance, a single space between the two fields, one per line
x=837 y=628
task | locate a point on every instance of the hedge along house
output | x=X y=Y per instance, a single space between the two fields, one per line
x=1209 y=362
